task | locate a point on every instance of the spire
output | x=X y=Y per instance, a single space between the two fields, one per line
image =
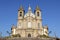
x=29 y=9
x=37 y=8
x=21 y=8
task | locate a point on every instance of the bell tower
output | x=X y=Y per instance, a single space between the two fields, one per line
x=20 y=17
x=38 y=17
x=38 y=13
x=21 y=13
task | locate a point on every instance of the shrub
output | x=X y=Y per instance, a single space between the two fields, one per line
x=17 y=35
x=43 y=36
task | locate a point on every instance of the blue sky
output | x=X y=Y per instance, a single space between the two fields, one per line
x=50 y=13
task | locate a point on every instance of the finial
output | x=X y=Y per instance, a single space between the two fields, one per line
x=21 y=8
x=29 y=7
x=37 y=7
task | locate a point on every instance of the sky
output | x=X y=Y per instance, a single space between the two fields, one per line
x=50 y=14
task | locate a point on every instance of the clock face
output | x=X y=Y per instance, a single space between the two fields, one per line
x=29 y=24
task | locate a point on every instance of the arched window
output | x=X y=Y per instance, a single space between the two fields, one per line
x=37 y=13
x=20 y=13
x=19 y=25
x=29 y=35
x=29 y=24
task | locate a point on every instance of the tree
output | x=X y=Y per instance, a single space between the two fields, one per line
x=8 y=32
x=0 y=34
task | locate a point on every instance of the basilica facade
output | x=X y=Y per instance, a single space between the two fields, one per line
x=29 y=24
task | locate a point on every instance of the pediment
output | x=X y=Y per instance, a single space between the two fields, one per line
x=29 y=15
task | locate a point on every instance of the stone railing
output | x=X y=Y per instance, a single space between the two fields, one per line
x=17 y=38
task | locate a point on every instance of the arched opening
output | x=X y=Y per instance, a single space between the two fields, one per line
x=38 y=25
x=29 y=35
x=20 y=13
x=37 y=13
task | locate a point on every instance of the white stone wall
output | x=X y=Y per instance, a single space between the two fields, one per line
x=28 y=23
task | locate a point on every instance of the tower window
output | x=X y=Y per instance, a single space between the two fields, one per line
x=37 y=13
x=20 y=13
x=19 y=25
